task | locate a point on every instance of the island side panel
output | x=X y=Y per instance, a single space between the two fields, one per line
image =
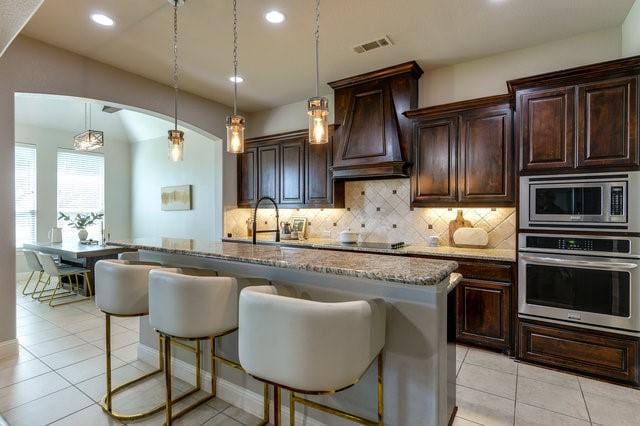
x=415 y=369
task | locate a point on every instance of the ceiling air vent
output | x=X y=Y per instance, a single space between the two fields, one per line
x=370 y=45
x=110 y=109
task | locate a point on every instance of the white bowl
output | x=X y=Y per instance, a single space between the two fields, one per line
x=349 y=237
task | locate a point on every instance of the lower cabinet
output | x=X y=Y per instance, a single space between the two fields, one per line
x=611 y=356
x=484 y=313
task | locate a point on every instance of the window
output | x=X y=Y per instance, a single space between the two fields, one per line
x=80 y=190
x=25 y=166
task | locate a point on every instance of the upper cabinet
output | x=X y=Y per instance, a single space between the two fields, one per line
x=288 y=169
x=608 y=123
x=247 y=177
x=547 y=128
x=581 y=119
x=463 y=154
x=374 y=138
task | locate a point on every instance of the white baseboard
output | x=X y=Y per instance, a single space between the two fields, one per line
x=9 y=348
x=235 y=395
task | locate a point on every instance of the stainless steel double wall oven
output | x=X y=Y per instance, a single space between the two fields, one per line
x=587 y=271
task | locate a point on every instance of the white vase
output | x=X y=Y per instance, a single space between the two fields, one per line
x=83 y=234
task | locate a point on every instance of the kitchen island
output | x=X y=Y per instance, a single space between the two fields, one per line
x=419 y=371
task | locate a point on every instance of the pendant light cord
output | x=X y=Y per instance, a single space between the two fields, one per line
x=317 y=35
x=175 y=64
x=235 y=56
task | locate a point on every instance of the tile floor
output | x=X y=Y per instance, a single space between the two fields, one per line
x=58 y=377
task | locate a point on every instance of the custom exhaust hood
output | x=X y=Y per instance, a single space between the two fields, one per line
x=373 y=138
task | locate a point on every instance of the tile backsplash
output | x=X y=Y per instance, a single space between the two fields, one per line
x=379 y=210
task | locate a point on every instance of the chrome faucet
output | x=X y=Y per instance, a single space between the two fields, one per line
x=255 y=221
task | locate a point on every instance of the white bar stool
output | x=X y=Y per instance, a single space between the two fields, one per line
x=122 y=290
x=192 y=307
x=310 y=347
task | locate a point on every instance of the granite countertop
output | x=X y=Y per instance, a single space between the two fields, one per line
x=501 y=255
x=405 y=270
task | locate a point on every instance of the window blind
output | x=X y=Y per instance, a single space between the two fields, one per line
x=25 y=190
x=80 y=190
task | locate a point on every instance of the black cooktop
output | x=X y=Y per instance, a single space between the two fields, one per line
x=391 y=246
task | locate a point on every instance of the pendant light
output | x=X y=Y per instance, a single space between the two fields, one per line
x=176 y=137
x=88 y=140
x=235 y=122
x=318 y=106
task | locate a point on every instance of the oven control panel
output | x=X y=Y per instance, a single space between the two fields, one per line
x=617 y=201
x=578 y=244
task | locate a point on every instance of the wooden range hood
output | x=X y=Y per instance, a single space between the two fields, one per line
x=374 y=137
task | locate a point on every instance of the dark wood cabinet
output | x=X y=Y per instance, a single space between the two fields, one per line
x=434 y=166
x=547 y=129
x=288 y=169
x=319 y=185
x=486 y=174
x=463 y=154
x=269 y=172
x=292 y=171
x=607 y=355
x=484 y=313
x=608 y=123
x=247 y=178
x=579 y=120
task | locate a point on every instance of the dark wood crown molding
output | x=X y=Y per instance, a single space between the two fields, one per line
x=577 y=75
x=454 y=107
x=410 y=67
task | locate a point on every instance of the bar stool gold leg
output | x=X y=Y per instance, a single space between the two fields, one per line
x=265 y=396
x=160 y=352
x=198 y=367
x=380 y=389
x=292 y=409
x=107 y=321
x=167 y=379
x=276 y=406
x=214 y=370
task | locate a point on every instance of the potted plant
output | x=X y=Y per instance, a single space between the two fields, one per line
x=81 y=221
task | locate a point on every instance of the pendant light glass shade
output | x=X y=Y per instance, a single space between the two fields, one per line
x=88 y=140
x=235 y=122
x=176 y=144
x=318 y=106
x=176 y=137
x=318 y=112
x=235 y=134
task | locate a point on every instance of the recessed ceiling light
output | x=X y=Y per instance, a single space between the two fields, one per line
x=237 y=79
x=274 y=17
x=101 y=19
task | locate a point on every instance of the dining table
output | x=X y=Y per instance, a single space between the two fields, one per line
x=77 y=253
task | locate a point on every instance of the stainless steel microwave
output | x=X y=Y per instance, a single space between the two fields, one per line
x=601 y=201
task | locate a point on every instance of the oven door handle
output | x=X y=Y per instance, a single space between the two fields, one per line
x=588 y=263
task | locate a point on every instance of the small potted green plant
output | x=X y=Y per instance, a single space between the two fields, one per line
x=81 y=221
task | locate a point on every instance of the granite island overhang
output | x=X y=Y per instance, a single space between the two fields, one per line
x=419 y=362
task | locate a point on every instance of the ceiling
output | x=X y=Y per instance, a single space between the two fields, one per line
x=276 y=61
x=66 y=114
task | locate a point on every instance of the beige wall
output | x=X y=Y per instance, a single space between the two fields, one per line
x=488 y=76
x=631 y=31
x=473 y=79
x=281 y=119
x=31 y=66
